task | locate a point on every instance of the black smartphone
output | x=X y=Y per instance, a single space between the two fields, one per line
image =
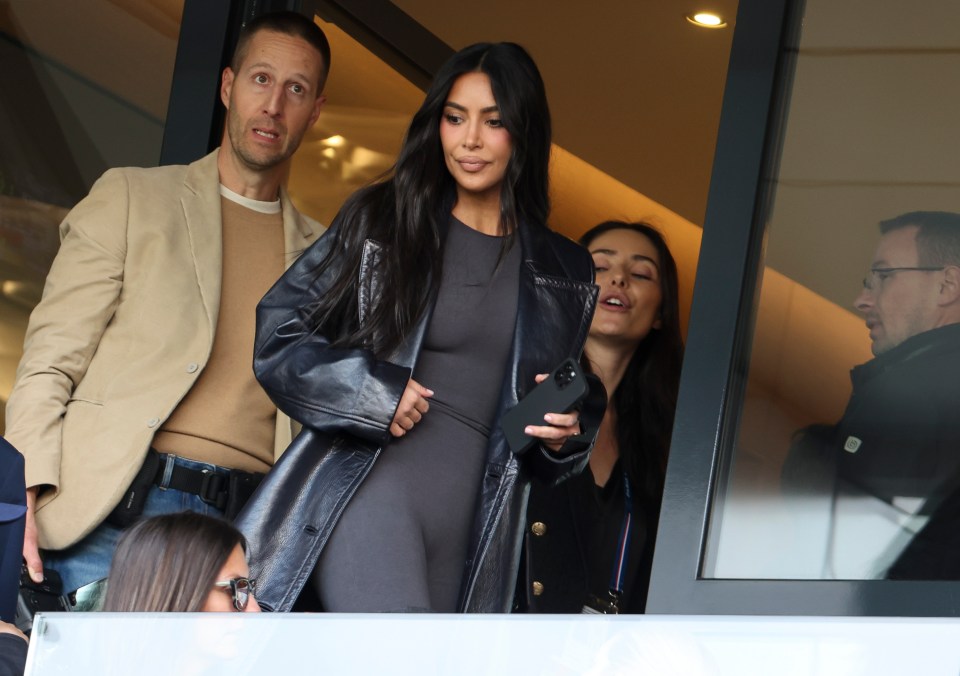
x=561 y=392
x=46 y=596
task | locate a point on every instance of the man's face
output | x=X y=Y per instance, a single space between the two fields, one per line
x=899 y=304
x=272 y=99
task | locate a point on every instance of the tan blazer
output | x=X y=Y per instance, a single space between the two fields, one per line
x=123 y=330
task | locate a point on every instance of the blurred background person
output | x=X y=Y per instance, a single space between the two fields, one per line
x=890 y=467
x=589 y=541
x=183 y=562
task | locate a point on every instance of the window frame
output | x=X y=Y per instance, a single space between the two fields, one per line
x=756 y=103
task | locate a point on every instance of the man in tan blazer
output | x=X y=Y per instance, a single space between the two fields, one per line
x=135 y=394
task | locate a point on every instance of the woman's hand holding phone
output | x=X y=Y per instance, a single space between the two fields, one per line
x=549 y=413
x=559 y=427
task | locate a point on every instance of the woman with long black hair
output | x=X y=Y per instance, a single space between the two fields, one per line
x=401 y=338
x=589 y=541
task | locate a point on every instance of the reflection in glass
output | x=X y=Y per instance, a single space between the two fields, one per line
x=847 y=443
x=358 y=134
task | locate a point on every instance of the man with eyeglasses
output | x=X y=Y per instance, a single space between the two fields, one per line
x=899 y=438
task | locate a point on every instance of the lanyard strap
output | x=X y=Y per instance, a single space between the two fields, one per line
x=623 y=543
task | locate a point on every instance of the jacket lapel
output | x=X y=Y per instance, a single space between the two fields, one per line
x=368 y=292
x=297 y=232
x=553 y=313
x=201 y=210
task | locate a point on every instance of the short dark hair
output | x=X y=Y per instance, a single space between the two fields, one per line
x=287 y=23
x=938 y=236
x=169 y=563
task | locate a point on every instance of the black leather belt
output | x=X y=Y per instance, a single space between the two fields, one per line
x=212 y=486
x=226 y=489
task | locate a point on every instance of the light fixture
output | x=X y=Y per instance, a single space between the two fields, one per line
x=334 y=141
x=706 y=20
x=10 y=288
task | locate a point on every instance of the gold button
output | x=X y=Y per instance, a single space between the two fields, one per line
x=538 y=528
x=537 y=588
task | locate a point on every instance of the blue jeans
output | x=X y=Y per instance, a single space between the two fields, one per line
x=89 y=560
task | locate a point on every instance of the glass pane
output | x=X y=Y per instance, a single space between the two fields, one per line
x=358 y=134
x=827 y=480
x=113 y=644
x=87 y=89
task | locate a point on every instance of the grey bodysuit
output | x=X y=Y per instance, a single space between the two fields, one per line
x=401 y=544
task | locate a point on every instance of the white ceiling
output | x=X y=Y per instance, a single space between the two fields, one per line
x=871 y=133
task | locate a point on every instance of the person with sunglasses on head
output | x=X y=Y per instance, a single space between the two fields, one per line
x=185 y=562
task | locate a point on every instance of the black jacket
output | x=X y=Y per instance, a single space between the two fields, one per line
x=899 y=437
x=900 y=433
x=571 y=544
x=346 y=399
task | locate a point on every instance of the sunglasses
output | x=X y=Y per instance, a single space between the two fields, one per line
x=241 y=589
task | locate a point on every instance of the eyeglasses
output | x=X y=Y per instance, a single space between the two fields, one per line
x=241 y=589
x=880 y=274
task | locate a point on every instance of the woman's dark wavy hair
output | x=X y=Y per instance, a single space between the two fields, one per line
x=169 y=563
x=646 y=398
x=408 y=211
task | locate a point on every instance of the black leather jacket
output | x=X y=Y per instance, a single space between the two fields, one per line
x=346 y=399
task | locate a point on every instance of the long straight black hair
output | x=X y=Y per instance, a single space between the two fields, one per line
x=408 y=211
x=646 y=398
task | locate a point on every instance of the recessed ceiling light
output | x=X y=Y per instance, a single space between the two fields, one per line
x=706 y=20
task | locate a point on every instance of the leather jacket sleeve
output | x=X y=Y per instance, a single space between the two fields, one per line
x=335 y=390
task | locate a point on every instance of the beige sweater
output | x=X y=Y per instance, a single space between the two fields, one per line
x=226 y=418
